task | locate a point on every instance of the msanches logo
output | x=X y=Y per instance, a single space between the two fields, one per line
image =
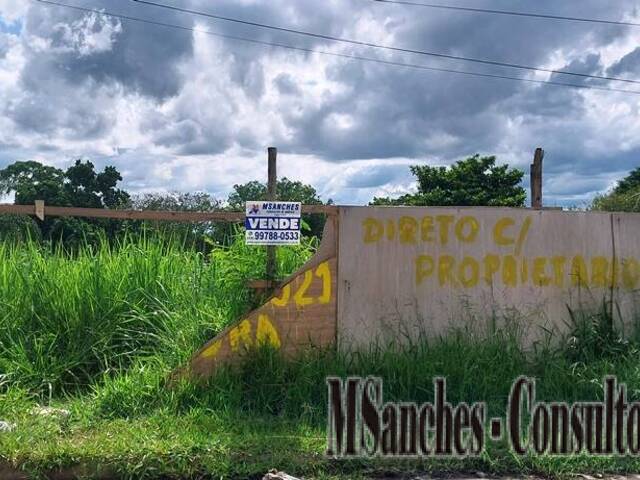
x=361 y=424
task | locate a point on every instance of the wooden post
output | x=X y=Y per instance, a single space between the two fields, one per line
x=39 y=204
x=536 y=179
x=272 y=194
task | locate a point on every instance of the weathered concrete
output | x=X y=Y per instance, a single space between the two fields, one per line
x=302 y=312
x=407 y=271
x=393 y=274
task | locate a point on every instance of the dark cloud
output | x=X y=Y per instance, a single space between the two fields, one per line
x=205 y=97
x=145 y=60
x=286 y=85
x=629 y=64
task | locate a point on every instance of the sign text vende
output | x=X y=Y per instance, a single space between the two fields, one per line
x=278 y=223
x=272 y=223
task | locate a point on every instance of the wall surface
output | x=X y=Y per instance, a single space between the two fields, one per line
x=404 y=271
x=301 y=312
x=395 y=273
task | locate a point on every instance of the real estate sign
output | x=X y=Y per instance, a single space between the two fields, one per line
x=272 y=223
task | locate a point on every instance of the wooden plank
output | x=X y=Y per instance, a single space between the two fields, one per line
x=258 y=284
x=145 y=215
x=151 y=215
x=324 y=209
x=17 y=209
x=39 y=204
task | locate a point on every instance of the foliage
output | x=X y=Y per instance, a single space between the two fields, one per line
x=288 y=191
x=471 y=182
x=197 y=234
x=630 y=183
x=625 y=197
x=79 y=186
x=270 y=411
x=67 y=320
x=33 y=181
x=18 y=228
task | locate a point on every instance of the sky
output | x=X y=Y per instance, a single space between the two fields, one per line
x=183 y=110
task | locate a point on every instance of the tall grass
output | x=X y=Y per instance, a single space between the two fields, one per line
x=67 y=319
x=477 y=367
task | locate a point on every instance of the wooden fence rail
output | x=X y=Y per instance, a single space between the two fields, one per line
x=40 y=210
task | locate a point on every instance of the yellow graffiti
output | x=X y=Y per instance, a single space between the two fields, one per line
x=284 y=299
x=324 y=272
x=409 y=230
x=523 y=234
x=467 y=229
x=513 y=271
x=491 y=267
x=630 y=273
x=391 y=230
x=266 y=333
x=539 y=272
x=299 y=298
x=373 y=230
x=600 y=272
x=499 y=235
x=444 y=222
x=240 y=334
x=212 y=350
x=469 y=272
x=424 y=268
x=558 y=264
x=510 y=271
x=445 y=270
x=579 y=276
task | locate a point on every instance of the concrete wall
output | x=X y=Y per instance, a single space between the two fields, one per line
x=406 y=271
x=393 y=274
x=301 y=312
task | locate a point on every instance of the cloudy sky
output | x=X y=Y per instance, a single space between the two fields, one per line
x=185 y=110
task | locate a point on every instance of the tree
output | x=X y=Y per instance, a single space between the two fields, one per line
x=195 y=234
x=79 y=186
x=475 y=181
x=629 y=183
x=625 y=197
x=288 y=191
x=32 y=181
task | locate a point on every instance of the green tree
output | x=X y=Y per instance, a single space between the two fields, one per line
x=629 y=183
x=475 y=181
x=31 y=181
x=625 y=197
x=79 y=186
x=288 y=191
x=193 y=234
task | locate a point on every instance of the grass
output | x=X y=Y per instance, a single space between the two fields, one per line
x=270 y=412
x=64 y=320
x=98 y=332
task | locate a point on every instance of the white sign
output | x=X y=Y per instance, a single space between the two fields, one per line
x=272 y=223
